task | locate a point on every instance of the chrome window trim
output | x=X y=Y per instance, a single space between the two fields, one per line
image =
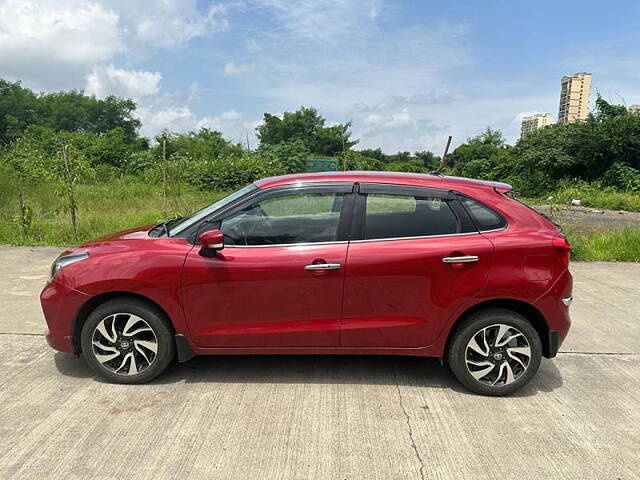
x=306 y=244
x=414 y=238
x=495 y=229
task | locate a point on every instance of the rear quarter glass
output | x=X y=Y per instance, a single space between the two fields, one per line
x=511 y=196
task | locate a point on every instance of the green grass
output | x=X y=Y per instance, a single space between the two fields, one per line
x=590 y=195
x=622 y=245
x=103 y=208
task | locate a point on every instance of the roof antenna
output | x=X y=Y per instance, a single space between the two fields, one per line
x=443 y=161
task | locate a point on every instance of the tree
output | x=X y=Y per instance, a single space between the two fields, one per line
x=352 y=160
x=307 y=126
x=606 y=111
x=482 y=146
x=27 y=162
x=291 y=155
x=71 y=111
x=18 y=109
x=202 y=145
x=377 y=153
x=428 y=159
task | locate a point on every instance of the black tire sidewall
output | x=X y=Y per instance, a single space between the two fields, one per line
x=156 y=320
x=474 y=323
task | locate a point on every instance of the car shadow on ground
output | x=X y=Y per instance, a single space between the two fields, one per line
x=317 y=369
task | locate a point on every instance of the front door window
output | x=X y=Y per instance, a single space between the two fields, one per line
x=286 y=219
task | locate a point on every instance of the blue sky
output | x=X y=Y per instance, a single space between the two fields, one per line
x=407 y=74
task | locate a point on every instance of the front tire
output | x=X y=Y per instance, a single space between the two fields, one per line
x=495 y=352
x=126 y=340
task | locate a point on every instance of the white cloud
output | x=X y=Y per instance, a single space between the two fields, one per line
x=230 y=115
x=68 y=31
x=168 y=23
x=232 y=68
x=395 y=120
x=373 y=120
x=321 y=20
x=45 y=41
x=135 y=84
x=166 y=114
x=174 y=118
x=55 y=44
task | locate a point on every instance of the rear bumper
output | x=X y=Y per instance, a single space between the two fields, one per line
x=60 y=305
x=556 y=311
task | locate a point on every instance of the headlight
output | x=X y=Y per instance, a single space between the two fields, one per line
x=62 y=262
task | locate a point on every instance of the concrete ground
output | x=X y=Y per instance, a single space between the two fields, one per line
x=322 y=417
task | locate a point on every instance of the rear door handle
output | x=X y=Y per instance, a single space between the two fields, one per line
x=323 y=266
x=463 y=259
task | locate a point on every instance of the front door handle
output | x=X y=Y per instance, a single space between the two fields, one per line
x=463 y=259
x=323 y=266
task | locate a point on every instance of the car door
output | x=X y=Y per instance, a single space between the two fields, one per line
x=278 y=281
x=414 y=259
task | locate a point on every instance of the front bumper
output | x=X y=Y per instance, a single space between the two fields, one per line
x=60 y=305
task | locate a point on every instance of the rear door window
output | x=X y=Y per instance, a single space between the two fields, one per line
x=402 y=216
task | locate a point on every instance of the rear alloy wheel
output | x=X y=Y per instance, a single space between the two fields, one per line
x=496 y=352
x=127 y=341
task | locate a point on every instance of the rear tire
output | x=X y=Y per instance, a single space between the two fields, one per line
x=126 y=340
x=495 y=352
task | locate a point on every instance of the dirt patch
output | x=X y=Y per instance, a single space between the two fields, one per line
x=585 y=219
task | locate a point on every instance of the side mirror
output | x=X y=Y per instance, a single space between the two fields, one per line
x=212 y=240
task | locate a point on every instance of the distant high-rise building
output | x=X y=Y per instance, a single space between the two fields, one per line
x=574 y=97
x=634 y=109
x=533 y=122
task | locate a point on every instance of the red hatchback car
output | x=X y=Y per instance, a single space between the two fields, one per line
x=329 y=263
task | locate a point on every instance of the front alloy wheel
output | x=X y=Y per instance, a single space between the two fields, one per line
x=127 y=340
x=124 y=344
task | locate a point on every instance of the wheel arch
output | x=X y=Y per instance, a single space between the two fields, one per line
x=94 y=302
x=528 y=311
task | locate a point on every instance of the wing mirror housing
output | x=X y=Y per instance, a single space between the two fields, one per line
x=212 y=240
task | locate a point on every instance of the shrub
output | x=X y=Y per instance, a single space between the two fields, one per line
x=232 y=173
x=622 y=176
x=352 y=160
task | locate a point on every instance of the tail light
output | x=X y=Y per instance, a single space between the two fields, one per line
x=563 y=246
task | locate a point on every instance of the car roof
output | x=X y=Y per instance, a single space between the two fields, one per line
x=397 y=178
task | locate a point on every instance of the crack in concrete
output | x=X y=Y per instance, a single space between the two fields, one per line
x=408 y=420
x=619 y=354
x=599 y=281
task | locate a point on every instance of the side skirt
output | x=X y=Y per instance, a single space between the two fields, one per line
x=430 y=351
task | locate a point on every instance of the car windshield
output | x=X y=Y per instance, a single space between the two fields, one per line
x=186 y=222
